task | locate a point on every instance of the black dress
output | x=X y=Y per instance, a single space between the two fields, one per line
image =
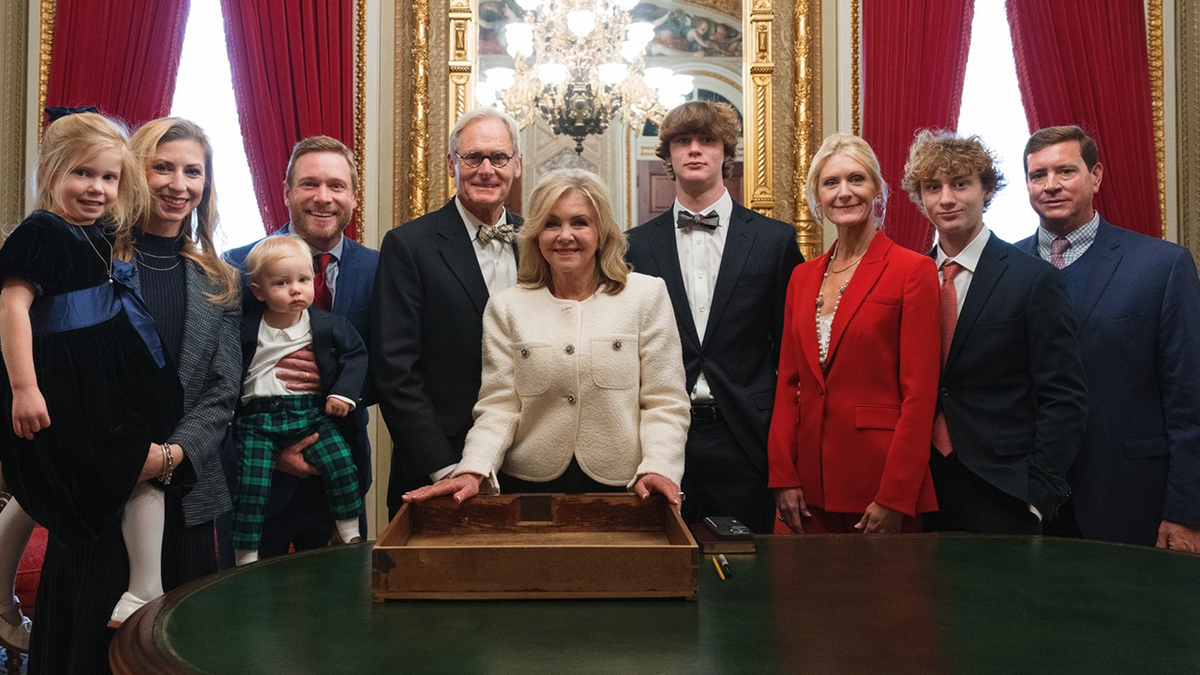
x=106 y=395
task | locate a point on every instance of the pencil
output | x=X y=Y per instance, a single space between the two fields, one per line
x=718 y=566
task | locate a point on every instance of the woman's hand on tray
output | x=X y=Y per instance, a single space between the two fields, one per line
x=462 y=487
x=656 y=482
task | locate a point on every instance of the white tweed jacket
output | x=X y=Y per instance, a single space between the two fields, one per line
x=601 y=380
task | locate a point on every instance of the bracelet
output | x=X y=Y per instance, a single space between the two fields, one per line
x=168 y=464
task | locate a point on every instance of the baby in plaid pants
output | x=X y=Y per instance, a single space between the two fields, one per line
x=269 y=417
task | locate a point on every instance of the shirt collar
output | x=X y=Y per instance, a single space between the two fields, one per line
x=1080 y=238
x=292 y=332
x=723 y=206
x=474 y=224
x=969 y=256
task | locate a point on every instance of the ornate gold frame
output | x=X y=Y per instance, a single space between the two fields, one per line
x=46 y=46
x=758 y=71
x=809 y=232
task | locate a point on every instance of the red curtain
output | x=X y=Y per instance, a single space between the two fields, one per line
x=1086 y=63
x=914 y=62
x=293 y=77
x=121 y=56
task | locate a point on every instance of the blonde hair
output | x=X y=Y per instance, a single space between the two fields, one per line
x=611 y=268
x=72 y=140
x=198 y=236
x=271 y=250
x=858 y=150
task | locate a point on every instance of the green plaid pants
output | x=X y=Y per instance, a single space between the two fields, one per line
x=263 y=428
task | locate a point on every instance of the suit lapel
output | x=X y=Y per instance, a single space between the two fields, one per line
x=457 y=251
x=516 y=221
x=349 y=277
x=992 y=265
x=197 y=320
x=666 y=256
x=1104 y=257
x=738 y=243
x=804 y=306
x=861 y=283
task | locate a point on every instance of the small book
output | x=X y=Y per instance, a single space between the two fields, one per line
x=709 y=543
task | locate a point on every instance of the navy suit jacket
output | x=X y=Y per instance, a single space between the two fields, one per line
x=1138 y=315
x=740 y=351
x=1012 y=387
x=352 y=299
x=340 y=353
x=427 y=337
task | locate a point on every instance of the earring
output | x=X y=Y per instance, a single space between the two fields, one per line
x=819 y=213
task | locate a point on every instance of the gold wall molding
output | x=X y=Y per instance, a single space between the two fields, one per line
x=418 y=136
x=856 y=67
x=758 y=70
x=463 y=41
x=360 y=111
x=1187 y=76
x=45 y=48
x=806 y=83
x=14 y=51
x=1154 y=26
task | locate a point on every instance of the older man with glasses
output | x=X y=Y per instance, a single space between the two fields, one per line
x=435 y=276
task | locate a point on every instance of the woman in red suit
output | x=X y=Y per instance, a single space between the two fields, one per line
x=858 y=365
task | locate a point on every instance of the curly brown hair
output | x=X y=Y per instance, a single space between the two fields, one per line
x=938 y=150
x=700 y=118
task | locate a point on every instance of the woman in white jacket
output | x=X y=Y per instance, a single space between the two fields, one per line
x=583 y=381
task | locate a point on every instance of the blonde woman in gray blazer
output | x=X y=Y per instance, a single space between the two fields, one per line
x=194 y=299
x=583 y=382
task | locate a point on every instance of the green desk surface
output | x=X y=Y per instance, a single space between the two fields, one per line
x=848 y=604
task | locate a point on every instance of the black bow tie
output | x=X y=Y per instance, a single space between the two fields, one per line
x=688 y=220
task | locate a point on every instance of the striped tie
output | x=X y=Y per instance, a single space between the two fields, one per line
x=949 y=317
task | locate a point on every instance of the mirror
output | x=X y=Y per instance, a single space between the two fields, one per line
x=703 y=40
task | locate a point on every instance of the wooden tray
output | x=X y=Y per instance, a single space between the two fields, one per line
x=536 y=546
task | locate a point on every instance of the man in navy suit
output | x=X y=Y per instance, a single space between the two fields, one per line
x=1136 y=478
x=1012 y=402
x=727 y=269
x=435 y=276
x=319 y=193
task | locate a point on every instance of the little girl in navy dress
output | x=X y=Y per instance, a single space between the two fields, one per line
x=84 y=371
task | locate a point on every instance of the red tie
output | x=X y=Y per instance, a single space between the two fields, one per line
x=949 y=317
x=322 y=296
x=1057 y=248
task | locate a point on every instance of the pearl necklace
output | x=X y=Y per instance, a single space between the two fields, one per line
x=823 y=345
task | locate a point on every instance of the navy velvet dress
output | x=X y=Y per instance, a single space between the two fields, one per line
x=107 y=396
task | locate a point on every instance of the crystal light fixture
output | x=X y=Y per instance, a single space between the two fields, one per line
x=579 y=65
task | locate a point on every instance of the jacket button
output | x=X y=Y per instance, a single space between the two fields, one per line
x=525 y=353
x=333 y=350
x=570 y=349
x=945 y=392
x=571 y=399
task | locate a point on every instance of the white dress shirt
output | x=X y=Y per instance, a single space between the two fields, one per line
x=273 y=345
x=496 y=259
x=700 y=253
x=968 y=258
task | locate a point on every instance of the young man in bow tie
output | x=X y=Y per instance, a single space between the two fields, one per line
x=727 y=270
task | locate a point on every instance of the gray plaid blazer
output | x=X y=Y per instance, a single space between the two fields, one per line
x=210 y=366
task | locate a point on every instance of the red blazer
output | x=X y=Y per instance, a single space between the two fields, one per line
x=861 y=431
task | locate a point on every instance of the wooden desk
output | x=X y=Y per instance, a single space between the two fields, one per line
x=849 y=604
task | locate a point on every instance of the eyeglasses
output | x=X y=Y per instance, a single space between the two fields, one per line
x=474 y=159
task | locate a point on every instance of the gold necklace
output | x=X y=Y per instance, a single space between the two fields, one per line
x=108 y=263
x=852 y=264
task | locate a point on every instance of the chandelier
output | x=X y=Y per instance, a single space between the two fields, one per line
x=578 y=65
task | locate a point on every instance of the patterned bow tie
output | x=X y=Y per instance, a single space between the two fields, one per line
x=504 y=232
x=687 y=220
